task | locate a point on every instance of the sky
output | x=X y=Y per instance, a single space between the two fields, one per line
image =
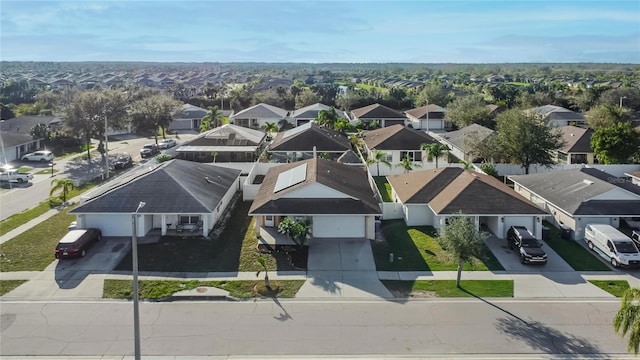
x=479 y=31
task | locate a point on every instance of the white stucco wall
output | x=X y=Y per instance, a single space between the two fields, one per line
x=417 y=215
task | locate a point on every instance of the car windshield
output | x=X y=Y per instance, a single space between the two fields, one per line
x=625 y=247
x=530 y=243
x=148 y=146
x=65 y=246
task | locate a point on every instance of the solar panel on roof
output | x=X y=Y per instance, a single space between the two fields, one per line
x=291 y=177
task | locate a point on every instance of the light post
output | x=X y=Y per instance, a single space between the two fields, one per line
x=136 y=301
x=622 y=97
x=52 y=164
x=106 y=145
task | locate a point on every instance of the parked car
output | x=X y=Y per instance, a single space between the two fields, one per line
x=14 y=176
x=167 y=143
x=42 y=156
x=149 y=150
x=123 y=161
x=528 y=247
x=76 y=243
x=612 y=245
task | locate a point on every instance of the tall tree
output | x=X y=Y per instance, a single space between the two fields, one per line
x=327 y=118
x=525 y=139
x=615 y=144
x=151 y=113
x=376 y=157
x=462 y=241
x=432 y=94
x=307 y=97
x=212 y=120
x=467 y=110
x=627 y=319
x=434 y=151
x=606 y=115
x=270 y=128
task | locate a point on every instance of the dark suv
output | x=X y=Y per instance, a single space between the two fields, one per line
x=149 y=150
x=76 y=242
x=529 y=249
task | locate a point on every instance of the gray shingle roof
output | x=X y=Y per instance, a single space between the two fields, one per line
x=311 y=111
x=227 y=135
x=396 y=137
x=350 y=180
x=173 y=187
x=554 y=112
x=261 y=111
x=462 y=138
x=576 y=140
x=435 y=112
x=376 y=111
x=188 y=111
x=576 y=191
x=16 y=131
x=303 y=138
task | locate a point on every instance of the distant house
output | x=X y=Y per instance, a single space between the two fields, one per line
x=16 y=135
x=556 y=115
x=188 y=118
x=579 y=197
x=396 y=142
x=377 y=112
x=309 y=113
x=177 y=194
x=577 y=146
x=435 y=115
x=258 y=115
x=227 y=143
x=430 y=197
x=462 y=142
x=306 y=141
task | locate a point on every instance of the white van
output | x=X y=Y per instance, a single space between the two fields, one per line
x=612 y=245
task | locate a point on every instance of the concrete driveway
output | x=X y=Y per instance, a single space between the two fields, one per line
x=80 y=278
x=341 y=268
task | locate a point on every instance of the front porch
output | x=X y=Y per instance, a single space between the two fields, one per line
x=154 y=235
x=269 y=236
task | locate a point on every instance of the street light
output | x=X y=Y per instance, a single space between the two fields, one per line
x=136 y=300
x=622 y=97
x=52 y=164
x=106 y=145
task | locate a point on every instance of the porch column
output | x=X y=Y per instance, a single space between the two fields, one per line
x=163 y=225
x=205 y=224
x=476 y=221
x=259 y=222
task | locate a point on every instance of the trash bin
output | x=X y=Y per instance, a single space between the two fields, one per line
x=545 y=233
x=565 y=232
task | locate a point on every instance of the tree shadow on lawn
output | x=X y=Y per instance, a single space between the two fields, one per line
x=196 y=254
x=407 y=256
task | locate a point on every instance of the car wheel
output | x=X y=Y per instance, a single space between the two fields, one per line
x=43 y=160
x=522 y=259
x=614 y=263
x=20 y=181
x=83 y=253
x=590 y=245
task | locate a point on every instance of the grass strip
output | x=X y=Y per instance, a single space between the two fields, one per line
x=447 y=288
x=157 y=289
x=613 y=287
x=8 y=285
x=578 y=257
x=383 y=187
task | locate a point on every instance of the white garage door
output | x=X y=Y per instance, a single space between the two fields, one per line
x=509 y=221
x=111 y=225
x=338 y=226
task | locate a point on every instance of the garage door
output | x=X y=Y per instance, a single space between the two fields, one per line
x=510 y=221
x=111 y=225
x=338 y=226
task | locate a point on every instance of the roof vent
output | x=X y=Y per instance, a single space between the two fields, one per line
x=588 y=182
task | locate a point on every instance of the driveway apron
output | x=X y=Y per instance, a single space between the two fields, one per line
x=342 y=268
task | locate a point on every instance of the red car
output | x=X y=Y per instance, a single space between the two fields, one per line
x=76 y=242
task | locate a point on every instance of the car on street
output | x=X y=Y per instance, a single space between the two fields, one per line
x=76 y=243
x=167 y=143
x=123 y=161
x=529 y=249
x=42 y=156
x=149 y=150
x=14 y=176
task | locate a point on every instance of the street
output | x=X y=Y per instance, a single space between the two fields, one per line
x=279 y=327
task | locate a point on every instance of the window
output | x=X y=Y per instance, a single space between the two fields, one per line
x=413 y=155
x=578 y=158
x=189 y=219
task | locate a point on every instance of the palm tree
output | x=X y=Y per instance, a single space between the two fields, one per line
x=434 y=151
x=376 y=157
x=214 y=117
x=213 y=155
x=407 y=164
x=270 y=128
x=627 y=320
x=64 y=185
x=467 y=165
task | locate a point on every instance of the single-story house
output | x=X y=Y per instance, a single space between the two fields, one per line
x=462 y=142
x=304 y=141
x=226 y=143
x=396 y=142
x=16 y=137
x=310 y=113
x=577 y=146
x=429 y=118
x=340 y=200
x=557 y=115
x=188 y=118
x=258 y=115
x=430 y=197
x=386 y=116
x=177 y=194
x=578 y=197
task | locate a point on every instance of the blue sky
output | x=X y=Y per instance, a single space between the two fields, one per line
x=478 y=31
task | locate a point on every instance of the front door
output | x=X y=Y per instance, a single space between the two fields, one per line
x=268 y=221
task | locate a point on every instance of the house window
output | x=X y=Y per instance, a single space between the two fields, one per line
x=578 y=158
x=189 y=219
x=562 y=157
x=412 y=155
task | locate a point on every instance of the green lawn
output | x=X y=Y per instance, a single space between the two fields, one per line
x=233 y=250
x=8 y=285
x=154 y=289
x=415 y=248
x=578 y=257
x=447 y=288
x=384 y=187
x=613 y=287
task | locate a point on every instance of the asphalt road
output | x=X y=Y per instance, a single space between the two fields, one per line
x=438 y=327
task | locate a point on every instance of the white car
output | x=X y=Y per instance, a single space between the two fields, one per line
x=42 y=156
x=166 y=143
